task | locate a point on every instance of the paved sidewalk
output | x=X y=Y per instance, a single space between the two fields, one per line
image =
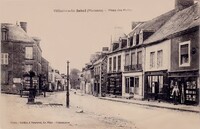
x=194 y=109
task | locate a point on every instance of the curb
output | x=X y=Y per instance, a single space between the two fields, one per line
x=150 y=105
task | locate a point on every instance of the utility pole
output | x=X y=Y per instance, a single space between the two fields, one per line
x=67 y=93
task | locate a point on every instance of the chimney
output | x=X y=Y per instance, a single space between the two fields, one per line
x=24 y=26
x=182 y=4
x=105 y=49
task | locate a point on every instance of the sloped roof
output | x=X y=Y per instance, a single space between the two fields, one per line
x=182 y=20
x=16 y=33
x=58 y=76
x=154 y=24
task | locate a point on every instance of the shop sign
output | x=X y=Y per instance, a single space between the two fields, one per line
x=16 y=80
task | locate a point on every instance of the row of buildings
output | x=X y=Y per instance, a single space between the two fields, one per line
x=154 y=57
x=21 y=53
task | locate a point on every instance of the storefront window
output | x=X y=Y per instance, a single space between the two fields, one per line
x=127 y=84
x=155 y=84
x=188 y=89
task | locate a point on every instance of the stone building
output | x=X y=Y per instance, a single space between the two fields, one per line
x=20 y=53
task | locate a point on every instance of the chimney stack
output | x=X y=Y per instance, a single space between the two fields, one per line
x=182 y=4
x=105 y=49
x=24 y=26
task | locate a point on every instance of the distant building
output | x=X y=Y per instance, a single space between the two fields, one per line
x=100 y=74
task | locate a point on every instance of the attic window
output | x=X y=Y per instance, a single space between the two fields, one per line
x=124 y=43
x=4 y=34
x=134 y=38
x=115 y=46
x=137 y=39
x=131 y=41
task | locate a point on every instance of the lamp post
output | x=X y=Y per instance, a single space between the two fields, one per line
x=67 y=93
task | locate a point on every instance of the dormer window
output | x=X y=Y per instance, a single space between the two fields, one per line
x=4 y=34
x=124 y=43
x=131 y=41
x=137 y=39
x=115 y=46
x=134 y=38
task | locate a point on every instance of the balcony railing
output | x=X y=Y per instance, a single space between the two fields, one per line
x=136 y=67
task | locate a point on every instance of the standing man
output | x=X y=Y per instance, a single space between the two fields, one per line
x=175 y=93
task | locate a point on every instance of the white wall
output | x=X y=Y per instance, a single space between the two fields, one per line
x=165 y=46
x=137 y=74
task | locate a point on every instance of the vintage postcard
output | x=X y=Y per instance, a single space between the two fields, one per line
x=100 y=64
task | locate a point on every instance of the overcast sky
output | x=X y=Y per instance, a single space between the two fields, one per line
x=75 y=36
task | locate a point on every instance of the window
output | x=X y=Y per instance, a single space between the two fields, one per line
x=136 y=85
x=114 y=63
x=134 y=38
x=133 y=59
x=127 y=79
x=28 y=68
x=136 y=82
x=119 y=62
x=137 y=39
x=110 y=64
x=4 y=34
x=4 y=58
x=152 y=59
x=160 y=59
x=4 y=77
x=124 y=43
x=131 y=41
x=184 y=54
x=139 y=57
x=127 y=63
x=29 y=53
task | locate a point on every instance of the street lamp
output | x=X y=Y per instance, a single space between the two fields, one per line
x=67 y=93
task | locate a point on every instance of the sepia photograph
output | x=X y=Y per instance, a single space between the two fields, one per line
x=100 y=64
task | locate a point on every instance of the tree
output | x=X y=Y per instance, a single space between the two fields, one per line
x=74 y=78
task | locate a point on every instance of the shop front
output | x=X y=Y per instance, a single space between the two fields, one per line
x=114 y=84
x=187 y=82
x=133 y=85
x=156 y=86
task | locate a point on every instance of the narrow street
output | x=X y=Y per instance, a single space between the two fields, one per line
x=97 y=113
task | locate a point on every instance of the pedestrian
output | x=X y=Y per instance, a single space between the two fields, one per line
x=175 y=93
x=182 y=93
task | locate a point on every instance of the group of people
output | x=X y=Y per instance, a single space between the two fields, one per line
x=178 y=93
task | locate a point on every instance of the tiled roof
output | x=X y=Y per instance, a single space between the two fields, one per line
x=154 y=24
x=182 y=20
x=16 y=33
